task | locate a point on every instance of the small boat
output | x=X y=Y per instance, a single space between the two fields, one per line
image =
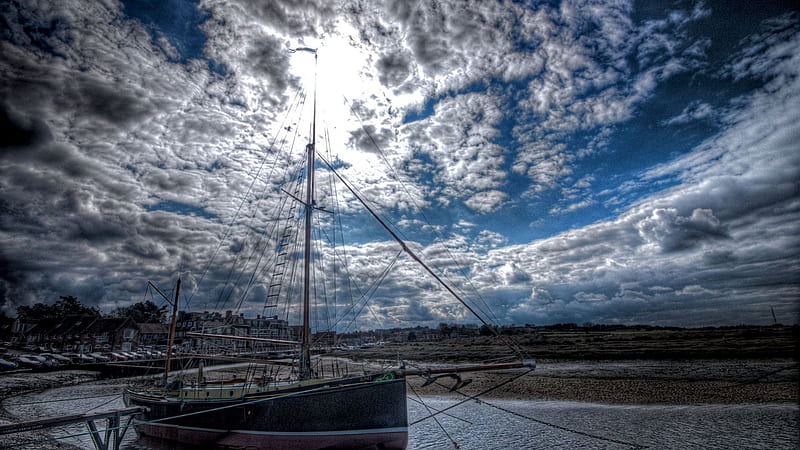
x=308 y=411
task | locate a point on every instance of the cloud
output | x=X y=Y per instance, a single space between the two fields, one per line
x=671 y=231
x=122 y=163
x=457 y=139
x=486 y=201
x=697 y=110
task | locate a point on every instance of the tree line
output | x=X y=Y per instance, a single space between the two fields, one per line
x=142 y=312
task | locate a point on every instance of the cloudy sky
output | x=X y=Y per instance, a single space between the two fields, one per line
x=579 y=161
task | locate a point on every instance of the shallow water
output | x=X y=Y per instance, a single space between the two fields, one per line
x=503 y=424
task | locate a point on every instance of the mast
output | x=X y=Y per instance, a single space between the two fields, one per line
x=172 y=325
x=173 y=322
x=305 y=346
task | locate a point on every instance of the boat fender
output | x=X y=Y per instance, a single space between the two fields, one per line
x=388 y=376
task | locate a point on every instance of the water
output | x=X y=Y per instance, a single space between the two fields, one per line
x=502 y=424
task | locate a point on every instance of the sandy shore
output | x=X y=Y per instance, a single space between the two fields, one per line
x=774 y=382
x=632 y=382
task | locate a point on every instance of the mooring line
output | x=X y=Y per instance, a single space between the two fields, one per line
x=61 y=400
x=435 y=419
x=541 y=422
x=469 y=397
x=429 y=407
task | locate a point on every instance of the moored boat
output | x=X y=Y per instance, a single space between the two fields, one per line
x=356 y=412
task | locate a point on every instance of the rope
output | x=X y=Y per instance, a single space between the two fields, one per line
x=541 y=422
x=487 y=309
x=239 y=208
x=562 y=428
x=452 y=441
x=470 y=397
x=61 y=400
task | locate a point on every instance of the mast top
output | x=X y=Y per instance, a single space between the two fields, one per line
x=304 y=49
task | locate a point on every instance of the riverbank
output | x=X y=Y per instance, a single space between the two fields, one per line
x=617 y=366
x=19 y=383
x=635 y=382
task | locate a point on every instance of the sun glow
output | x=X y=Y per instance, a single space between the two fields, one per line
x=344 y=77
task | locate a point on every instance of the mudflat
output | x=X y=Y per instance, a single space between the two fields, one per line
x=621 y=366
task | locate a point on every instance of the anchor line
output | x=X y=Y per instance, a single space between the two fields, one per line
x=436 y=419
x=563 y=428
x=471 y=397
x=541 y=422
x=419 y=401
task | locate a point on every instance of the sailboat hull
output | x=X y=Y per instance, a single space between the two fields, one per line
x=364 y=412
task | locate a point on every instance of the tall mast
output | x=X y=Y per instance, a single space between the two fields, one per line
x=305 y=346
x=172 y=325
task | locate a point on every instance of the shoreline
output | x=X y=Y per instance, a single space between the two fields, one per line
x=614 y=382
x=20 y=383
x=632 y=382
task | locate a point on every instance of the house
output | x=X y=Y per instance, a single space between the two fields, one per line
x=113 y=333
x=65 y=334
x=151 y=334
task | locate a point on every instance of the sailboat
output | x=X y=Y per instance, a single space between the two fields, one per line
x=307 y=412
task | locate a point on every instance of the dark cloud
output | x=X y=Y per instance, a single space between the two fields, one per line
x=672 y=232
x=369 y=139
x=270 y=59
x=20 y=131
x=394 y=69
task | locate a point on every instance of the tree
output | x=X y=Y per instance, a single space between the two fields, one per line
x=5 y=325
x=66 y=305
x=142 y=312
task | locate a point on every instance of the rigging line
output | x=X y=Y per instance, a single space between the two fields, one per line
x=366 y=296
x=274 y=229
x=541 y=422
x=320 y=235
x=332 y=187
x=252 y=219
x=289 y=220
x=436 y=419
x=238 y=210
x=367 y=299
x=118 y=397
x=422 y=213
x=512 y=344
x=338 y=218
x=472 y=397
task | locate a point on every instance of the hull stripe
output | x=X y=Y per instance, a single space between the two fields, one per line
x=284 y=433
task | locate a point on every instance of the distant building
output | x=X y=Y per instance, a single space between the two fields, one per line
x=152 y=334
x=84 y=334
x=113 y=333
